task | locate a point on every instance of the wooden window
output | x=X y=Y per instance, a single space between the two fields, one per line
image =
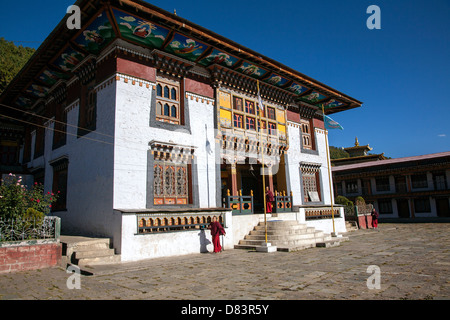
x=311 y=184
x=60 y=133
x=250 y=123
x=258 y=110
x=400 y=184
x=440 y=182
x=351 y=186
x=237 y=104
x=39 y=143
x=168 y=104
x=385 y=206
x=171 y=183
x=382 y=184
x=419 y=181
x=249 y=107
x=422 y=205
x=87 y=116
x=238 y=121
x=272 y=128
x=306 y=134
x=9 y=152
x=271 y=113
x=264 y=126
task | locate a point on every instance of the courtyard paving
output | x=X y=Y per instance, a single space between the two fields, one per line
x=413 y=261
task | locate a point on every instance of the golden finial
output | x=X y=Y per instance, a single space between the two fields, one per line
x=356 y=142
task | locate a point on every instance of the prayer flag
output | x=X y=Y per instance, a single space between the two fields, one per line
x=260 y=103
x=331 y=124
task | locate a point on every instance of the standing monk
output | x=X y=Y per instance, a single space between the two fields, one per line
x=216 y=231
x=269 y=200
x=375 y=216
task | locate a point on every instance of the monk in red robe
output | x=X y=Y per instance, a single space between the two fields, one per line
x=269 y=200
x=216 y=231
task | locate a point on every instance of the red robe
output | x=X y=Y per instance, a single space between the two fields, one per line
x=269 y=200
x=216 y=231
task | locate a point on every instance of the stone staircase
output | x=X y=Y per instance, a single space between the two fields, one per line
x=83 y=251
x=288 y=235
x=351 y=225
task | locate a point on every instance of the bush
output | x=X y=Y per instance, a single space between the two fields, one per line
x=18 y=202
x=343 y=200
x=360 y=201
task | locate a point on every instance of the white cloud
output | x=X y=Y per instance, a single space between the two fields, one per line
x=442 y=135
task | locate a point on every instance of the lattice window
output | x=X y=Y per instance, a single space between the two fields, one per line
x=237 y=104
x=250 y=123
x=238 y=121
x=249 y=107
x=272 y=128
x=310 y=180
x=168 y=100
x=170 y=183
x=306 y=134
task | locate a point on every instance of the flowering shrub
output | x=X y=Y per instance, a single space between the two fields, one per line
x=18 y=201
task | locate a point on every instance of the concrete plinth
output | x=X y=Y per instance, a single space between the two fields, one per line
x=266 y=247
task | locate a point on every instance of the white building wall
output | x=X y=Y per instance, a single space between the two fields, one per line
x=90 y=174
x=295 y=156
x=133 y=135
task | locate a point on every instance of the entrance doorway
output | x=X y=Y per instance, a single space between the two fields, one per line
x=442 y=207
x=403 y=208
x=251 y=183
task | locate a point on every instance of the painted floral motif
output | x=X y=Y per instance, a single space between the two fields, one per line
x=296 y=88
x=50 y=77
x=185 y=47
x=97 y=35
x=22 y=101
x=331 y=104
x=277 y=80
x=251 y=70
x=139 y=30
x=313 y=97
x=69 y=59
x=219 y=57
x=37 y=91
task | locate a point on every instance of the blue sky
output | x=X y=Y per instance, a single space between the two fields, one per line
x=401 y=72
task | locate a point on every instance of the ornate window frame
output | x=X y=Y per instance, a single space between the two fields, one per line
x=171 y=176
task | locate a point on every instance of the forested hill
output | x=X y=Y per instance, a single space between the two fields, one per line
x=12 y=59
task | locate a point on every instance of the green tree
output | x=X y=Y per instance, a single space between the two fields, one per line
x=338 y=153
x=12 y=60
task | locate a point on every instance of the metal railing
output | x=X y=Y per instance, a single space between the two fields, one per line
x=30 y=229
x=283 y=203
x=239 y=204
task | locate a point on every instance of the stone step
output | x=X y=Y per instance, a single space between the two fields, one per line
x=261 y=236
x=281 y=243
x=84 y=251
x=281 y=226
x=98 y=261
x=286 y=235
x=94 y=253
x=333 y=242
x=281 y=229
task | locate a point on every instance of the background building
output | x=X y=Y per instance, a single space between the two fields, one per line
x=410 y=187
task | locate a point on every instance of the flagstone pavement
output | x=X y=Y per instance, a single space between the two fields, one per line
x=413 y=260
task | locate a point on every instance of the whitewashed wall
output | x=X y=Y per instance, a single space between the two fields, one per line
x=295 y=156
x=90 y=169
x=148 y=246
x=133 y=134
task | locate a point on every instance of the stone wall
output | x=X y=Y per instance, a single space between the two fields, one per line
x=30 y=255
